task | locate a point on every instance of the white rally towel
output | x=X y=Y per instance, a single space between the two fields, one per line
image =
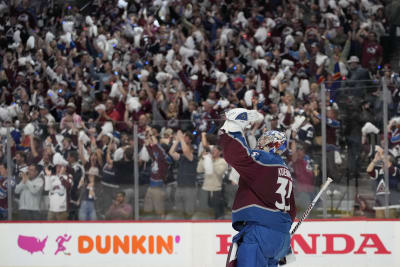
x=234 y=176
x=133 y=104
x=298 y=121
x=304 y=88
x=369 y=128
x=30 y=43
x=58 y=159
x=122 y=4
x=68 y=26
x=261 y=34
x=118 y=154
x=221 y=77
x=29 y=129
x=49 y=37
x=208 y=164
x=83 y=137
x=144 y=154
x=107 y=128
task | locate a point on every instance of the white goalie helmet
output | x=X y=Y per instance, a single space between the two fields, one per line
x=272 y=141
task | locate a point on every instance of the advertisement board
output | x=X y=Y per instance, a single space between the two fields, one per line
x=197 y=244
x=332 y=243
x=96 y=244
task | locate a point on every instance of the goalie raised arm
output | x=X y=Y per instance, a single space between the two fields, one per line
x=264 y=206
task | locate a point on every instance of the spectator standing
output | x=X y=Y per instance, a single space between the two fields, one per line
x=172 y=116
x=119 y=210
x=155 y=195
x=4 y=191
x=170 y=182
x=88 y=188
x=304 y=176
x=45 y=115
x=30 y=190
x=305 y=132
x=111 y=113
x=124 y=171
x=208 y=117
x=45 y=162
x=20 y=167
x=59 y=185
x=375 y=170
x=186 y=179
x=71 y=117
x=332 y=125
x=213 y=166
x=371 y=49
x=357 y=78
x=66 y=147
x=20 y=164
x=356 y=117
x=109 y=181
x=77 y=172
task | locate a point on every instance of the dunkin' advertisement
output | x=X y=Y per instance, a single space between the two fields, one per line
x=95 y=244
x=197 y=244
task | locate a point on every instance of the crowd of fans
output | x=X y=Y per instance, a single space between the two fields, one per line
x=75 y=81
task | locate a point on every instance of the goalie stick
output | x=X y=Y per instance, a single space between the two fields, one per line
x=305 y=214
x=312 y=204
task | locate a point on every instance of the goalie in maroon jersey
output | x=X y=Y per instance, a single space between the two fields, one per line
x=264 y=206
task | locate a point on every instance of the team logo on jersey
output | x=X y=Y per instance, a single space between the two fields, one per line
x=371 y=50
x=242 y=116
x=381 y=188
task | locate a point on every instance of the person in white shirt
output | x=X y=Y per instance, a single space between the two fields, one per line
x=213 y=166
x=58 y=184
x=30 y=190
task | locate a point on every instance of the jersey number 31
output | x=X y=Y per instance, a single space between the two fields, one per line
x=285 y=193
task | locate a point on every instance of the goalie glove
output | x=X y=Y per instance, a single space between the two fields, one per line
x=238 y=119
x=231 y=127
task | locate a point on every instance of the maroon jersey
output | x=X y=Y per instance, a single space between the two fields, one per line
x=370 y=51
x=304 y=174
x=159 y=166
x=4 y=192
x=265 y=194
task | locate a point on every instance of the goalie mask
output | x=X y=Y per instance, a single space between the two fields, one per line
x=273 y=142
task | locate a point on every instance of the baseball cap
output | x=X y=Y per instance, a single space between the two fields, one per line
x=353 y=59
x=71 y=105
